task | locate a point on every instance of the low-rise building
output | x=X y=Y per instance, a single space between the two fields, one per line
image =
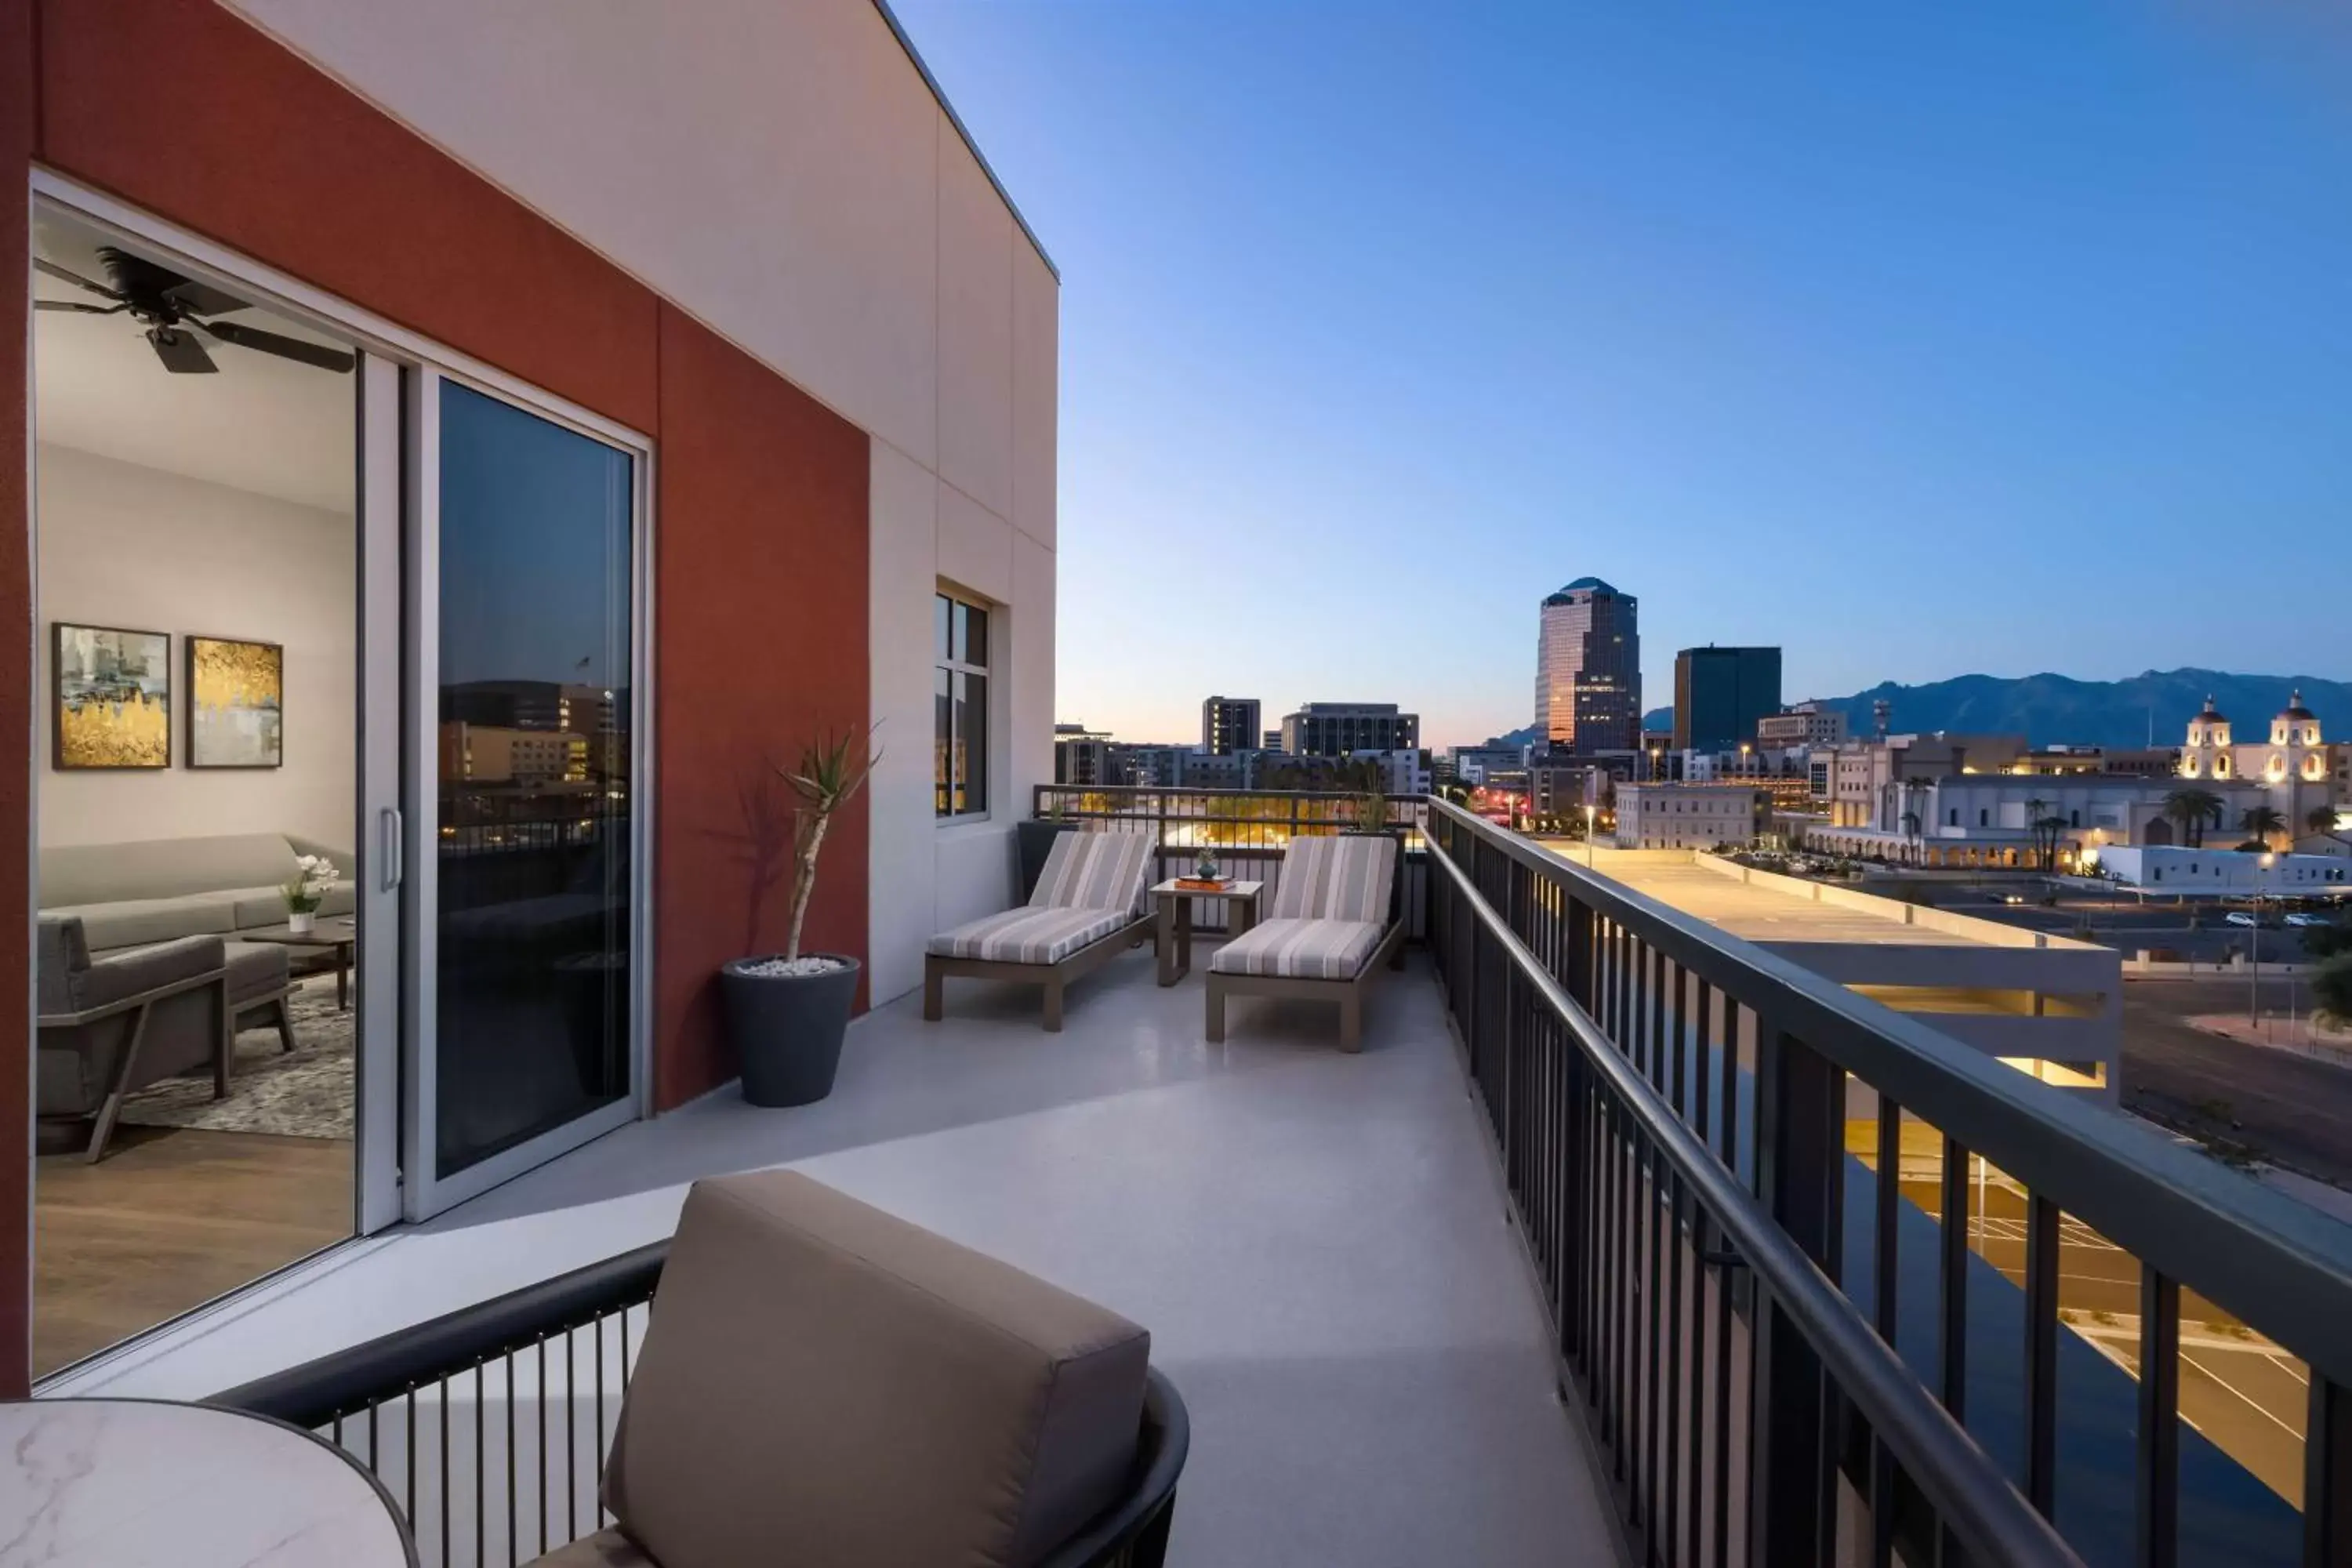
x=1081 y=756
x=1472 y=763
x=1805 y=724
x=1685 y=816
x=1341 y=728
x=2176 y=872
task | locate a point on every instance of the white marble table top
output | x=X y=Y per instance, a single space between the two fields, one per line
x=129 y=1483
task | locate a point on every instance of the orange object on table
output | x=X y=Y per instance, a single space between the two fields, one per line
x=1195 y=885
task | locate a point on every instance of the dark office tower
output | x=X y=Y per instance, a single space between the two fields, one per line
x=1720 y=692
x=1589 y=670
x=1229 y=724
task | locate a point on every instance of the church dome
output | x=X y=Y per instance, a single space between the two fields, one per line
x=2296 y=711
x=2212 y=715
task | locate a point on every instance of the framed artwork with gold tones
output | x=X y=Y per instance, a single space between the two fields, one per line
x=236 y=694
x=109 y=698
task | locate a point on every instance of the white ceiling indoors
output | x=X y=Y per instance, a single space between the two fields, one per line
x=261 y=423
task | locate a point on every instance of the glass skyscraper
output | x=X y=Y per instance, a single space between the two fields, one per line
x=1721 y=692
x=1589 y=670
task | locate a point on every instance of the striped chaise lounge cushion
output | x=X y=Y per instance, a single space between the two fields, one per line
x=1091 y=886
x=1336 y=878
x=1028 y=934
x=1300 y=950
x=1094 y=871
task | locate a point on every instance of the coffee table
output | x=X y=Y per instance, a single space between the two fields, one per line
x=338 y=935
x=1175 y=912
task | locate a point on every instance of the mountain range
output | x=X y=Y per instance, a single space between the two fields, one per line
x=2055 y=710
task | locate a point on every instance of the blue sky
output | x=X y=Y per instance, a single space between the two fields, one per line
x=2008 y=336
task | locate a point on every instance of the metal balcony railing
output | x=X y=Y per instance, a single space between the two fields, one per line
x=1833 y=1287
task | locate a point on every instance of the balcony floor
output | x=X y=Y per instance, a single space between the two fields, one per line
x=1316 y=1241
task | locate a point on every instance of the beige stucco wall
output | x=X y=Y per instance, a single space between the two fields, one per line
x=783 y=173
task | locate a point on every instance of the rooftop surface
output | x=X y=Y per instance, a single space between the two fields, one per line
x=1756 y=913
x=1316 y=1241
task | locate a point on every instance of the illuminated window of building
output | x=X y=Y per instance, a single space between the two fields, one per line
x=959 y=708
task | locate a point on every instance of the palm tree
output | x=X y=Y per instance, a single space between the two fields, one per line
x=2046 y=830
x=2319 y=822
x=2261 y=823
x=2193 y=808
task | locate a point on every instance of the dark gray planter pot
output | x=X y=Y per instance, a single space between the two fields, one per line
x=787 y=1028
x=1035 y=838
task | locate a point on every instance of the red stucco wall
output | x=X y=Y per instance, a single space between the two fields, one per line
x=181 y=108
x=16 y=111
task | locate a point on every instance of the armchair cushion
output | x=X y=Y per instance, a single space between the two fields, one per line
x=823 y=1381
x=1028 y=934
x=1300 y=949
x=72 y=982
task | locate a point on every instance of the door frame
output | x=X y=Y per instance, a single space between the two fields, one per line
x=424 y=1192
x=386 y=1184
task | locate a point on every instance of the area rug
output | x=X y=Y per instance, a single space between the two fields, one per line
x=303 y=1093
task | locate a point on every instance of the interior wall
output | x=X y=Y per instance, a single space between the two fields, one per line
x=123 y=545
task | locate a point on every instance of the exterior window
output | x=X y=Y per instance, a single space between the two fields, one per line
x=959 y=708
x=1951 y=817
x=1984 y=817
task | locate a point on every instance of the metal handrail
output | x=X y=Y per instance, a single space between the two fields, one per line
x=1936 y=1452
x=2274 y=1262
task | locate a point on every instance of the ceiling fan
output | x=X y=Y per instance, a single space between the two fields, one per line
x=169 y=304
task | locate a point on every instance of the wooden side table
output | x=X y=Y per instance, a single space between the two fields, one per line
x=1174 y=903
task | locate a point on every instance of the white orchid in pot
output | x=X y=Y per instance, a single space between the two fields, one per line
x=313 y=874
x=786 y=1012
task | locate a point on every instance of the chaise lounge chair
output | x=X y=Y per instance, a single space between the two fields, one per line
x=1087 y=909
x=1335 y=919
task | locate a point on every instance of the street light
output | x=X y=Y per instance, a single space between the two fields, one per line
x=1587 y=834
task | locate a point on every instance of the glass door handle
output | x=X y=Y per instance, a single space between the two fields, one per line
x=392 y=845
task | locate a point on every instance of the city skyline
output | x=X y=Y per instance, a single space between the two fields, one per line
x=1967 y=367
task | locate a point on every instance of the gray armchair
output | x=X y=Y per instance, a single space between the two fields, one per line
x=111 y=1026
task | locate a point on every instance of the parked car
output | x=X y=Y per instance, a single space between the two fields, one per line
x=2238 y=918
x=2302 y=919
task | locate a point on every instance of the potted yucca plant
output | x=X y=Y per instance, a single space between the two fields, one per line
x=787 y=1012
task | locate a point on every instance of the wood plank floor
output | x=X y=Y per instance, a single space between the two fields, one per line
x=171 y=1218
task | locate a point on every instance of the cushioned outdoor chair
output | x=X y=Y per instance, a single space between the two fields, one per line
x=1087 y=908
x=1335 y=921
x=827 y=1385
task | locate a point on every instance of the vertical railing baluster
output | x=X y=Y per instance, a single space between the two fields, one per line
x=1669 y=1511
x=1953 y=1274
x=514 y=1515
x=2328 y=1474
x=1652 y=1230
x=1886 y=1249
x=2041 y=1229
x=1799 y=1153
x=2157 y=1463
x=481 y=1472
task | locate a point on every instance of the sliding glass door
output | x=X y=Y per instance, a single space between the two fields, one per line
x=524 y=584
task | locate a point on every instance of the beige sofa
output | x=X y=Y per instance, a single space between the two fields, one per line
x=151 y=891
x=118 y=920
